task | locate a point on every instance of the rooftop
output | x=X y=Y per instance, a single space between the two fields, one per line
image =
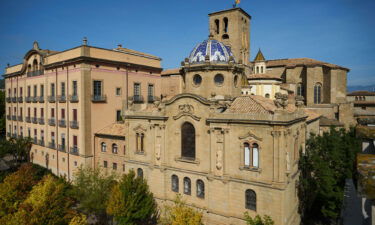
x=361 y=93
x=301 y=62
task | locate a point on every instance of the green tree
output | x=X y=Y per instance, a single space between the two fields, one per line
x=131 y=201
x=79 y=219
x=329 y=159
x=258 y=220
x=91 y=188
x=48 y=203
x=19 y=148
x=180 y=214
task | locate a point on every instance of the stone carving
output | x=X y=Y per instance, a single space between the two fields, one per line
x=300 y=101
x=140 y=128
x=219 y=159
x=249 y=134
x=158 y=151
x=186 y=110
x=281 y=100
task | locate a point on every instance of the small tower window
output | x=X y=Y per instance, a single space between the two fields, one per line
x=225 y=24
x=217 y=24
x=200 y=189
x=174 y=183
x=318 y=93
x=187 y=186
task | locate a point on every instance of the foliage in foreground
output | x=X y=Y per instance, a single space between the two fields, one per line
x=131 y=201
x=19 y=148
x=180 y=214
x=91 y=189
x=258 y=220
x=328 y=161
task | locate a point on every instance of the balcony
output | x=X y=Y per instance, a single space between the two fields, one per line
x=98 y=98
x=9 y=117
x=41 y=121
x=152 y=99
x=137 y=98
x=19 y=118
x=28 y=99
x=74 y=150
x=61 y=148
x=34 y=99
x=74 y=124
x=41 y=142
x=51 y=122
x=41 y=99
x=20 y=99
x=51 y=99
x=35 y=73
x=9 y=99
x=62 y=123
x=14 y=99
x=14 y=117
x=73 y=98
x=61 y=98
x=34 y=120
x=52 y=145
x=28 y=119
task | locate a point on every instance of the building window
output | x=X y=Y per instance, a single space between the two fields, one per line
x=317 y=93
x=217 y=26
x=114 y=166
x=114 y=149
x=62 y=88
x=300 y=90
x=267 y=95
x=187 y=186
x=118 y=91
x=140 y=142
x=97 y=88
x=137 y=89
x=188 y=141
x=150 y=90
x=52 y=89
x=250 y=200
x=225 y=20
x=35 y=90
x=197 y=79
x=123 y=167
x=251 y=155
x=28 y=91
x=41 y=90
x=75 y=163
x=74 y=88
x=200 y=189
x=174 y=183
x=104 y=147
x=118 y=115
x=219 y=79
x=140 y=172
x=105 y=164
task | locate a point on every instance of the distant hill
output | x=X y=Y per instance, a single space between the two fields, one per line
x=361 y=88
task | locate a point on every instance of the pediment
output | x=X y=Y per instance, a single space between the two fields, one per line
x=250 y=135
x=139 y=128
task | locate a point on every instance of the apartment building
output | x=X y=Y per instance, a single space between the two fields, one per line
x=61 y=99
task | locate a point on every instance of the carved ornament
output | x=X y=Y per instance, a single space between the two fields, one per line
x=249 y=134
x=186 y=110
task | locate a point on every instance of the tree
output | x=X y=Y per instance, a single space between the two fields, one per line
x=258 y=220
x=180 y=214
x=91 y=188
x=329 y=159
x=19 y=148
x=131 y=201
x=49 y=202
x=79 y=219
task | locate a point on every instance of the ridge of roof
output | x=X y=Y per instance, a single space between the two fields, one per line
x=292 y=62
x=259 y=56
x=361 y=93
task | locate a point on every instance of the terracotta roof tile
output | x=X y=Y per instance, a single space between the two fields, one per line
x=170 y=71
x=301 y=62
x=247 y=104
x=263 y=76
x=311 y=115
x=115 y=129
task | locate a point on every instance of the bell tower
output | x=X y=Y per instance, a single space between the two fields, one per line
x=232 y=27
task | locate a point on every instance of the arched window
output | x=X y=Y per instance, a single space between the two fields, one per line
x=257 y=69
x=200 y=189
x=225 y=20
x=217 y=24
x=104 y=147
x=317 y=93
x=174 y=183
x=267 y=95
x=187 y=186
x=35 y=65
x=250 y=200
x=140 y=172
x=188 y=141
x=300 y=90
x=114 y=149
x=251 y=155
x=261 y=69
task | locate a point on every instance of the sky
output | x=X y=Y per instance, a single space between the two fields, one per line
x=335 y=31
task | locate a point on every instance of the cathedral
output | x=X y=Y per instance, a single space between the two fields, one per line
x=221 y=130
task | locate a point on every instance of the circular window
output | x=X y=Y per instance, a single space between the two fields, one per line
x=236 y=81
x=219 y=79
x=197 y=79
x=267 y=95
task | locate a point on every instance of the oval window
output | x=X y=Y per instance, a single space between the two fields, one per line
x=219 y=79
x=197 y=79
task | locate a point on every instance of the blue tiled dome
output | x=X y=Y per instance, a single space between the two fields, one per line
x=216 y=50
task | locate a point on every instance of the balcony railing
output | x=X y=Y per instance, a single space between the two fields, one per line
x=61 y=148
x=51 y=122
x=9 y=99
x=41 y=142
x=34 y=99
x=14 y=99
x=34 y=120
x=137 y=98
x=73 y=98
x=28 y=99
x=74 y=124
x=14 y=117
x=35 y=141
x=9 y=117
x=52 y=145
x=99 y=98
x=152 y=99
x=62 y=123
x=41 y=121
x=35 y=73
x=19 y=118
x=74 y=150
x=61 y=98
x=41 y=99
x=28 y=119
x=51 y=99
x=20 y=99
